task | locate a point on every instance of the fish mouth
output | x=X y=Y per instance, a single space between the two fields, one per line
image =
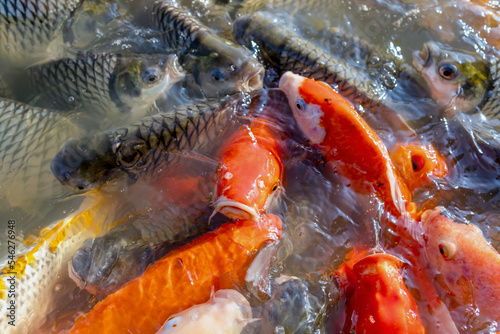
x=75 y=277
x=421 y=59
x=235 y=210
x=82 y=285
x=254 y=79
x=175 y=69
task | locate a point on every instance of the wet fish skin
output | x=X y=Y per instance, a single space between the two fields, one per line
x=106 y=83
x=218 y=65
x=27 y=27
x=105 y=264
x=227 y=311
x=287 y=51
x=291 y=307
x=88 y=162
x=464 y=265
x=29 y=138
x=457 y=80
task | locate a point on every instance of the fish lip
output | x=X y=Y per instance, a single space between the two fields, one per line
x=75 y=277
x=254 y=79
x=177 y=73
x=235 y=210
x=422 y=59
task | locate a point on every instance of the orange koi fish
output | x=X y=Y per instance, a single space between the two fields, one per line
x=333 y=125
x=377 y=298
x=250 y=172
x=466 y=267
x=181 y=279
x=418 y=164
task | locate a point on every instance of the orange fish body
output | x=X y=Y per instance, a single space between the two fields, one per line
x=377 y=298
x=249 y=173
x=332 y=123
x=181 y=279
x=418 y=164
x=467 y=266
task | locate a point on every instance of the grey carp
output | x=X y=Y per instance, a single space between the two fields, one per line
x=29 y=138
x=28 y=27
x=89 y=162
x=219 y=66
x=104 y=83
x=284 y=49
x=457 y=80
x=292 y=309
x=104 y=264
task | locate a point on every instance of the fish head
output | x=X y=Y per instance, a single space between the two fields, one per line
x=84 y=163
x=377 y=300
x=418 y=164
x=227 y=310
x=141 y=80
x=311 y=102
x=464 y=264
x=248 y=178
x=104 y=264
x=227 y=70
x=455 y=79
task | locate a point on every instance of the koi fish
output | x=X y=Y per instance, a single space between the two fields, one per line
x=418 y=164
x=227 y=311
x=250 y=172
x=333 y=125
x=181 y=279
x=465 y=266
x=377 y=298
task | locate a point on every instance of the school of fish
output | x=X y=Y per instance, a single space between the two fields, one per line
x=254 y=166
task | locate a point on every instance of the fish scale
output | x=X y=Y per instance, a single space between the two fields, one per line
x=491 y=108
x=138 y=149
x=29 y=26
x=122 y=254
x=180 y=27
x=69 y=83
x=289 y=52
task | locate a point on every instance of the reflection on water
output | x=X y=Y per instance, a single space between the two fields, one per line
x=323 y=217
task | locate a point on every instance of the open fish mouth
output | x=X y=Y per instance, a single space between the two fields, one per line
x=176 y=71
x=254 y=79
x=421 y=59
x=235 y=210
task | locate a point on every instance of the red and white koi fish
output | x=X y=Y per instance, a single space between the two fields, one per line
x=332 y=124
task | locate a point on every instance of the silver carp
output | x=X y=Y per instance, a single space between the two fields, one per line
x=219 y=66
x=104 y=83
x=285 y=50
x=28 y=27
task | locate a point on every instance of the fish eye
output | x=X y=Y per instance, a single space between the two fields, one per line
x=275 y=187
x=301 y=105
x=217 y=75
x=448 y=71
x=447 y=250
x=417 y=162
x=150 y=77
